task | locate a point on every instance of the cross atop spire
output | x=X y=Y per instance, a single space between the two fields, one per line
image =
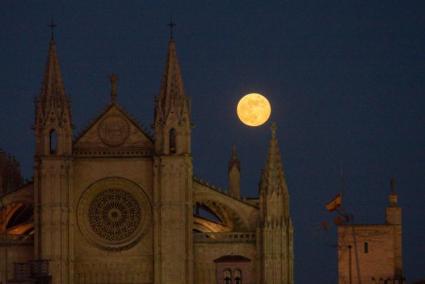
x=171 y=25
x=114 y=79
x=52 y=27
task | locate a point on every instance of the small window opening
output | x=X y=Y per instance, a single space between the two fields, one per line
x=366 y=247
x=238 y=277
x=172 y=138
x=53 y=140
x=227 y=277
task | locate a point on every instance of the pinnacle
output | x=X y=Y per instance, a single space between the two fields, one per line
x=274 y=176
x=234 y=153
x=52 y=98
x=172 y=96
x=52 y=81
x=234 y=160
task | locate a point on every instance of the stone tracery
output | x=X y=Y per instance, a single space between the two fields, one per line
x=114 y=214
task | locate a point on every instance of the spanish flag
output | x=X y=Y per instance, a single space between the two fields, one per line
x=335 y=203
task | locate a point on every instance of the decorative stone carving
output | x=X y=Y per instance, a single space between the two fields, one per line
x=113 y=213
x=114 y=130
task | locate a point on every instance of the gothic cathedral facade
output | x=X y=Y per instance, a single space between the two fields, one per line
x=116 y=204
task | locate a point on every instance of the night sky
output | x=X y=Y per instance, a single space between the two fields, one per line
x=346 y=80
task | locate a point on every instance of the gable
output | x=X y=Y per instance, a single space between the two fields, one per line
x=113 y=132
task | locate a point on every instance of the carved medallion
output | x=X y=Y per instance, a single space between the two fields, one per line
x=113 y=130
x=114 y=213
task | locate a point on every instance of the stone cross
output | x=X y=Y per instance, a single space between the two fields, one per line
x=113 y=78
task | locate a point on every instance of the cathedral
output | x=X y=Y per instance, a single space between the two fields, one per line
x=118 y=205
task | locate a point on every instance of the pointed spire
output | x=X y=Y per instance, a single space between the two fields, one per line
x=234 y=175
x=172 y=96
x=52 y=99
x=52 y=81
x=234 y=160
x=274 y=176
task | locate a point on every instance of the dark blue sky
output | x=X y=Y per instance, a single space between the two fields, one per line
x=346 y=80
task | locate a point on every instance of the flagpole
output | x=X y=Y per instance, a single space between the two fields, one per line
x=350 y=277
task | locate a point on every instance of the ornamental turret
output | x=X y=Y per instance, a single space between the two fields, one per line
x=53 y=125
x=275 y=230
x=234 y=175
x=172 y=123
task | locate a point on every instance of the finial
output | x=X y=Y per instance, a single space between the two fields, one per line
x=273 y=128
x=52 y=27
x=171 y=25
x=393 y=184
x=113 y=78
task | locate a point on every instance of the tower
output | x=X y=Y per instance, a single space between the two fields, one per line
x=173 y=219
x=372 y=253
x=275 y=230
x=393 y=217
x=234 y=175
x=53 y=171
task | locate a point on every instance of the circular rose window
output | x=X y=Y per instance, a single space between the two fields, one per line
x=113 y=213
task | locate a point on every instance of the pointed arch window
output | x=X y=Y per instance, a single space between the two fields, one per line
x=227 y=276
x=172 y=140
x=238 y=276
x=53 y=141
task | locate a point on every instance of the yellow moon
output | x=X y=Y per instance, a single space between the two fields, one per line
x=253 y=109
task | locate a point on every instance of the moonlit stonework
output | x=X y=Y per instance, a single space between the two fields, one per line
x=253 y=109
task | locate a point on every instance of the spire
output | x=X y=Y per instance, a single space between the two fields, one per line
x=172 y=110
x=234 y=160
x=273 y=178
x=234 y=174
x=52 y=96
x=53 y=111
x=172 y=96
x=52 y=81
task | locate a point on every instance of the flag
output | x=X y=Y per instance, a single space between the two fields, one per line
x=334 y=203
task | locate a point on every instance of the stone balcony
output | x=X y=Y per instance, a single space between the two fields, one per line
x=225 y=237
x=15 y=240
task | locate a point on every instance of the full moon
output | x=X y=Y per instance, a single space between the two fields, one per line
x=253 y=109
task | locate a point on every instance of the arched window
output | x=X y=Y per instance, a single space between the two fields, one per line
x=172 y=142
x=238 y=276
x=53 y=142
x=227 y=276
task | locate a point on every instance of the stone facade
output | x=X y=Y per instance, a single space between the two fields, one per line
x=372 y=253
x=116 y=204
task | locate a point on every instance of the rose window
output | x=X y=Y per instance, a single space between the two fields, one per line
x=114 y=215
